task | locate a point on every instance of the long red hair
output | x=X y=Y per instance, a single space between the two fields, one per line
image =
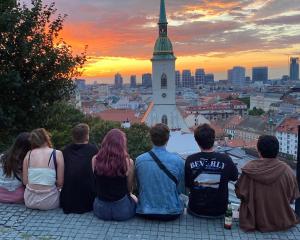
x=111 y=159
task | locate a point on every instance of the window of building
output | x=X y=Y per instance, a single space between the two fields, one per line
x=164 y=81
x=164 y=119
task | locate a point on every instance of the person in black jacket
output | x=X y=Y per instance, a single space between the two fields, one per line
x=78 y=192
x=207 y=174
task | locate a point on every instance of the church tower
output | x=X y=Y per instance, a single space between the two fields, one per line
x=164 y=109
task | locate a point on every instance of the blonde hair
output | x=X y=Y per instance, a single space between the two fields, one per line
x=40 y=137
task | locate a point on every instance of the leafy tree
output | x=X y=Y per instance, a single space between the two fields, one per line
x=61 y=118
x=256 y=112
x=138 y=140
x=99 y=128
x=245 y=100
x=36 y=66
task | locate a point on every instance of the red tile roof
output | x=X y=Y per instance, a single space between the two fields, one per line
x=289 y=125
x=241 y=143
x=119 y=115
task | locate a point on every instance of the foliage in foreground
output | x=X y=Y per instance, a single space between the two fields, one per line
x=36 y=66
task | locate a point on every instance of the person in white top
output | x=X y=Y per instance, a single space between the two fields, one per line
x=43 y=172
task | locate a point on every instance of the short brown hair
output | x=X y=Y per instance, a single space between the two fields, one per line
x=160 y=134
x=80 y=133
x=39 y=137
x=205 y=136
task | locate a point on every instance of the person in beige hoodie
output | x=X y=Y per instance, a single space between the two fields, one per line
x=266 y=188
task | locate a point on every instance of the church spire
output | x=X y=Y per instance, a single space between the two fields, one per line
x=162 y=15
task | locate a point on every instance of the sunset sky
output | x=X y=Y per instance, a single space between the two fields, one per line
x=214 y=35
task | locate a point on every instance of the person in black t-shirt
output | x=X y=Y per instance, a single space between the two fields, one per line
x=78 y=192
x=207 y=174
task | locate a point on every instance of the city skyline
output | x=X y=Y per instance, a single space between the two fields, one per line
x=214 y=35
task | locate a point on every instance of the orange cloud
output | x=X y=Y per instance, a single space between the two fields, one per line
x=214 y=35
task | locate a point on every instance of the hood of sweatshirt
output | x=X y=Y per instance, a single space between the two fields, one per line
x=265 y=171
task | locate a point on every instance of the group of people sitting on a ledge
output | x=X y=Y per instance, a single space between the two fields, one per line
x=82 y=178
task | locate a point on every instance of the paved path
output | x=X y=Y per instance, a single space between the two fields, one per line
x=17 y=222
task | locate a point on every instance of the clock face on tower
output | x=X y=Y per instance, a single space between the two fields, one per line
x=164 y=95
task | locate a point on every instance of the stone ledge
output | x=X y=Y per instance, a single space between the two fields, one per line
x=17 y=222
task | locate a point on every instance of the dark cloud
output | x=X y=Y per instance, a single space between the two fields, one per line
x=282 y=20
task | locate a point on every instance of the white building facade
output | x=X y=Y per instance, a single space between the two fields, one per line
x=287 y=135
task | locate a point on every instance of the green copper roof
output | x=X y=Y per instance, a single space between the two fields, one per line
x=163 y=48
x=163 y=45
x=162 y=15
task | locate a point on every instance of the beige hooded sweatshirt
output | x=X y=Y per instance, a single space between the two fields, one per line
x=266 y=188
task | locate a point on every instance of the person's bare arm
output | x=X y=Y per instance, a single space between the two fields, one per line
x=60 y=169
x=93 y=163
x=130 y=176
x=25 y=170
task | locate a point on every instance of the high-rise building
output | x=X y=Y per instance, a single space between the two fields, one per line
x=260 y=74
x=199 y=76
x=294 y=68
x=133 y=81
x=187 y=80
x=236 y=76
x=80 y=84
x=209 y=79
x=118 y=81
x=248 y=80
x=178 y=79
x=147 y=80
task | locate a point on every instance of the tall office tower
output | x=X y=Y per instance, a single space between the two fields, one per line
x=133 y=81
x=294 y=68
x=147 y=80
x=118 y=81
x=237 y=75
x=187 y=80
x=178 y=79
x=80 y=84
x=209 y=79
x=260 y=74
x=199 y=76
x=248 y=80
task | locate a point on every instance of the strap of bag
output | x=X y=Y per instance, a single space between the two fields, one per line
x=163 y=167
x=55 y=161
x=53 y=155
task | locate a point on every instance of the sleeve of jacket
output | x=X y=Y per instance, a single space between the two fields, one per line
x=242 y=188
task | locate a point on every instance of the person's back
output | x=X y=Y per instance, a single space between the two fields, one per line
x=158 y=194
x=114 y=174
x=266 y=188
x=11 y=186
x=207 y=175
x=42 y=173
x=78 y=192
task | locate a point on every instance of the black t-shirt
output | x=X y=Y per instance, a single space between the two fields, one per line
x=78 y=192
x=207 y=176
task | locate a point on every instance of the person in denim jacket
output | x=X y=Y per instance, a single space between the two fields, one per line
x=158 y=193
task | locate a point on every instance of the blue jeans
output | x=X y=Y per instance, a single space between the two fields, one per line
x=120 y=210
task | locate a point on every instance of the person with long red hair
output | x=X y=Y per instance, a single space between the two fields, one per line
x=114 y=174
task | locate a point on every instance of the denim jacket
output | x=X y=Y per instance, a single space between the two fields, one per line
x=158 y=194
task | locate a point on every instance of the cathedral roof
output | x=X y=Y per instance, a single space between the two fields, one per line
x=163 y=48
x=162 y=15
x=163 y=45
